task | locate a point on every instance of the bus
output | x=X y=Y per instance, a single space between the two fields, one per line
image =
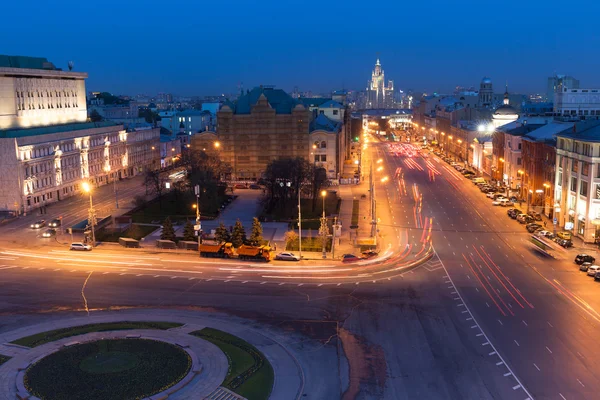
x=546 y=246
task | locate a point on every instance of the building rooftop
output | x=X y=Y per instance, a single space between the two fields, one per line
x=548 y=131
x=325 y=124
x=313 y=101
x=278 y=99
x=586 y=131
x=26 y=62
x=380 y=112
x=523 y=129
x=45 y=130
x=331 y=104
x=190 y=113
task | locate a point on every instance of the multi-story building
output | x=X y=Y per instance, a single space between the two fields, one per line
x=379 y=94
x=558 y=83
x=327 y=145
x=577 y=180
x=577 y=103
x=539 y=160
x=261 y=126
x=46 y=147
x=33 y=92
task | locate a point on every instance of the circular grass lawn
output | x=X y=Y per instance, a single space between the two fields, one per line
x=116 y=369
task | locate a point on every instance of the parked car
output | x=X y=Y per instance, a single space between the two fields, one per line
x=585 y=266
x=49 y=233
x=38 y=224
x=532 y=227
x=546 y=234
x=535 y=215
x=497 y=202
x=506 y=203
x=525 y=219
x=514 y=212
x=582 y=257
x=240 y=186
x=286 y=256
x=592 y=270
x=255 y=187
x=55 y=223
x=597 y=276
x=566 y=243
x=80 y=246
x=490 y=195
x=349 y=258
x=564 y=235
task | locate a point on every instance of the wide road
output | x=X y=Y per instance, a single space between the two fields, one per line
x=483 y=319
x=537 y=312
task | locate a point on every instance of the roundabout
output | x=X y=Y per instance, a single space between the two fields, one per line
x=108 y=369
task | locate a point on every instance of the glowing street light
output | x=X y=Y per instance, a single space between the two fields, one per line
x=323 y=229
x=217 y=145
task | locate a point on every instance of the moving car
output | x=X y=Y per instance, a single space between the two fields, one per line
x=286 y=256
x=349 y=258
x=592 y=270
x=564 y=235
x=55 y=223
x=38 y=224
x=585 y=266
x=369 y=253
x=49 y=233
x=583 y=258
x=80 y=246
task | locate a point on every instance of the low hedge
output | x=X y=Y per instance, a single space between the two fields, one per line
x=50 y=336
x=158 y=366
x=250 y=374
x=3 y=359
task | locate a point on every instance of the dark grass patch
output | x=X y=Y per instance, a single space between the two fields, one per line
x=51 y=336
x=250 y=373
x=118 y=369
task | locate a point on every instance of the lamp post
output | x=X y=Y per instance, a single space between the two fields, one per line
x=323 y=229
x=197 y=207
x=529 y=194
x=299 y=223
x=107 y=170
x=92 y=214
x=546 y=191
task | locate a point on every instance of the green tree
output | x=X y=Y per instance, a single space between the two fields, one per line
x=168 y=232
x=291 y=239
x=95 y=116
x=222 y=235
x=188 y=232
x=238 y=236
x=256 y=236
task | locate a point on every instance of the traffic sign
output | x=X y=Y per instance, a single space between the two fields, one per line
x=555 y=221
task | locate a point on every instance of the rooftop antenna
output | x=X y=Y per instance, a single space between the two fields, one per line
x=70 y=64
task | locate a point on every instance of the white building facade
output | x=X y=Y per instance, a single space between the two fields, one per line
x=580 y=103
x=577 y=184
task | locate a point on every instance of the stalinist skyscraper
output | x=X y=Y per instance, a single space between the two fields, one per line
x=378 y=94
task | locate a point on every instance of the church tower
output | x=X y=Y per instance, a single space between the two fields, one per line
x=486 y=93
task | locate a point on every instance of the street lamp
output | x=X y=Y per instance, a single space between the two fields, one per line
x=217 y=145
x=323 y=228
x=92 y=214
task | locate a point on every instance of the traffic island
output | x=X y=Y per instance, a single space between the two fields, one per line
x=50 y=336
x=108 y=369
x=250 y=374
x=3 y=359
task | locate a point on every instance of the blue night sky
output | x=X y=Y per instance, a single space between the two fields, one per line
x=207 y=47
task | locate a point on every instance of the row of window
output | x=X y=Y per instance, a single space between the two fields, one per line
x=581 y=112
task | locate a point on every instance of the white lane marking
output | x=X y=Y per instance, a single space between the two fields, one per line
x=516 y=387
x=262 y=283
x=492 y=353
x=547 y=348
x=500 y=322
x=191 y=279
x=14 y=266
x=499 y=363
x=563 y=397
x=173 y=277
x=580 y=383
x=536 y=367
x=156 y=276
x=550 y=324
x=525 y=323
x=517 y=343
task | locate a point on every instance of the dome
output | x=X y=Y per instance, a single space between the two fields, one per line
x=486 y=80
x=505 y=110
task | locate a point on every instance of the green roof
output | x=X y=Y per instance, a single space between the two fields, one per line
x=46 y=130
x=281 y=102
x=25 y=62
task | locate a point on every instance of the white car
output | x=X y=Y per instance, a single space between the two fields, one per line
x=287 y=257
x=592 y=270
x=490 y=195
x=498 y=202
x=80 y=246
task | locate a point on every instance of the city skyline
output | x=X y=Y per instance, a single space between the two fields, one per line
x=259 y=45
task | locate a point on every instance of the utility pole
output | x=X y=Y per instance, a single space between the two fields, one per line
x=323 y=229
x=198 y=224
x=299 y=223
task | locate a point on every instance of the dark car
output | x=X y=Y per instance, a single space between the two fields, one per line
x=581 y=258
x=566 y=243
x=55 y=223
x=585 y=266
x=255 y=187
x=532 y=227
x=369 y=253
x=526 y=219
x=597 y=276
x=535 y=215
x=349 y=258
x=38 y=224
x=515 y=211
